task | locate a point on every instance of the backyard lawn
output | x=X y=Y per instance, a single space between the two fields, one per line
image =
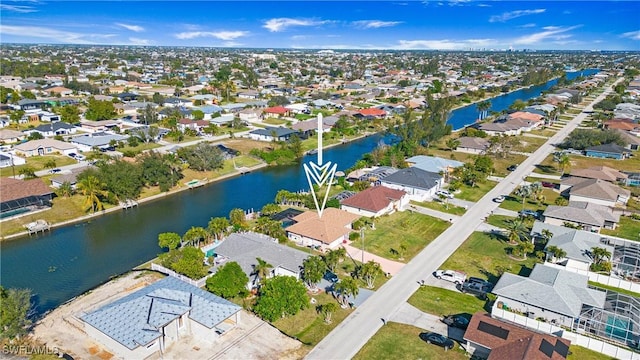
x=38 y=163
x=395 y=341
x=582 y=162
x=228 y=167
x=485 y=255
x=413 y=230
x=628 y=229
x=580 y=353
x=441 y=206
x=308 y=325
x=246 y=145
x=441 y=302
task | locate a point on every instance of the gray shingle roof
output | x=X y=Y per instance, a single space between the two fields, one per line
x=414 y=177
x=98 y=139
x=137 y=319
x=244 y=248
x=557 y=290
x=582 y=212
x=279 y=131
x=576 y=243
x=608 y=148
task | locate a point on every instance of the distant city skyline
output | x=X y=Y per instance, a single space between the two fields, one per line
x=365 y=25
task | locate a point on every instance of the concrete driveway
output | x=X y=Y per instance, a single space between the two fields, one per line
x=410 y=315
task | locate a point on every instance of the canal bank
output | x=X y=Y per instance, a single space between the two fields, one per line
x=74 y=259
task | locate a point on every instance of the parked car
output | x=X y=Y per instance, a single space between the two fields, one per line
x=512 y=167
x=482 y=282
x=331 y=277
x=54 y=171
x=437 y=339
x=72 y=155
x=526 y=212
x=499 y=199
x=80 y=157
x=444 y=193
x=475 y=288
x=460 y=321
x=548 y=184
x=457 y=277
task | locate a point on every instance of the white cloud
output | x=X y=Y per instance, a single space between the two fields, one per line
x=374 y=24
x=222 y=35
x=281 y=24
x=18 y=8
x=48 y=33
x=529 y=25
x=444 y=44
x=634 y=35
x=458 y=2
x=135 y=28
x=550 y=32
x=514 y=14
x=484 y=5
x=138 y=41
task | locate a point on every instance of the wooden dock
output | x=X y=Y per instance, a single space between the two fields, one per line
x=128 y=204
x=37 y=226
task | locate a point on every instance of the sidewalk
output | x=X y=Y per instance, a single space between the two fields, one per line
x=388 y=266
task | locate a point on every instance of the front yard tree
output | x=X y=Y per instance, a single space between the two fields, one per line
x=345 y=288
x=369 y=272
x=452 y=144
x=333 y=257
x=516 y=230
x=229 y=281
x=523 y=248
x=169 y=240
x=281 y=296
x=326 y=310
x=313 y=269
x=524 y=192
x=100 y=110
x=15 y=312
x=92 y=189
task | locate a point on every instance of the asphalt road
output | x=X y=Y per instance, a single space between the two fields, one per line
x=354 y=332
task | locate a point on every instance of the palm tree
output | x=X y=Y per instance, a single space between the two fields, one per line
x=600 y=255
x=524 y=247
x=536 y=191
x=565 y=163
x=345 y=288
x=555 y=252
x=313 y=268
x=218 y=227
x=452 y=144
x=327 y=310
x=91 y=188
x=65 y=189
x=546 y=235
x=524 y=192
x=483 y=106
x=195 y=235
x=261 y=270
x=516 y=230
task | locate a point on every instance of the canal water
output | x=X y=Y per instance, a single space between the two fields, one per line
x=71 y=260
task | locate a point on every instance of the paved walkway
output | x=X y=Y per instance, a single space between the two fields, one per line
x=545 y=176
x=387 y=265
x=433 y=213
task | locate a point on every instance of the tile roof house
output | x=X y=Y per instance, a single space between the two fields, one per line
x=472 y=145
x=556 y=295
x=375 y=201
x=595 y=191
x=576 y=243
x=608 y=151
x=600 y=172
x=494 y=339
x=44 y=147
x=16 y=195
x=591 y=217
x=417 y=183
x=326 y=232
x=371 y=113
x=245 y=247
x=150 y=320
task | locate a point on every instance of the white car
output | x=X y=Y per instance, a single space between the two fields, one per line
x=445 y=194
x=457 y=277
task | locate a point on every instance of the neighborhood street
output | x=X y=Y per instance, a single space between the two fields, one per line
x=354 y=332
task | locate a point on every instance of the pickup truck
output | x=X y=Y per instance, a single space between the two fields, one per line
x=457 y=277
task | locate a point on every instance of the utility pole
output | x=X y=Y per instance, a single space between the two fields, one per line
x=362 y=238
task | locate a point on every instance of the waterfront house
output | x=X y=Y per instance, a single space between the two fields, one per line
x=17 y=196
x=326 y=232
x=595 y=191
x=44 y=147
x=419 y=184
x=147 y=322
x=493 y=339
x=589 y=216
x=244 y=248
x=308 y=127
x=271 y=134
x=472 y=145
x=371 y=113
x=608 y=151
x=554 y=295
x=375 y=201
x=433 y=164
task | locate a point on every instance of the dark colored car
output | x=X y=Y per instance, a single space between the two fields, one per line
x=481 y=282
x=331 y=277
x=460 y=321
x=512 y=167
x=548 y=184
x=476 y=289
x=54 y=171
x=437 y=339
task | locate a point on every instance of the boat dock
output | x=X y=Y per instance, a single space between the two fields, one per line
x=195 y=183
x=37 y=226
x=128 y=204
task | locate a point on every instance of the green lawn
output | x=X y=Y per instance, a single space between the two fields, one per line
x=308 y=326
x=485 y=255
x=531 y=144
x=475 y=193
x=413 y=230
x=274 y=121
x=138 y=149
x=582 y=162
x=580 y=353
x=514 y=203
x=441 y=206
x=612 y=288
x=439 y=301
x=628 y=229
x=38 y=163
x=394 y=341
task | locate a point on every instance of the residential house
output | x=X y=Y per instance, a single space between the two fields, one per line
x=18 y=196
x=608 y=151
x=177 y=102
x=493 y=339
x=589 y=216
x=630 y=138
x=53 y=129
x=308 y=127
x=244 y=248
x=250 y=115
x=147 y=322
x=298 y=108
x=98 y=126
x=375 y=201
x=417 y=183
x=30 y=106
x=433 y=164
x=509 y=126
x=595 y=191
x=59 y=91
x=7 y=160
x=96 y=140
x=11 y=136
x=248 y=94
x=271 y=134
x=473 y=145
x=275 y=112
x=371 y=113
x=326 y=232
x=556 y=295
x=44 y=147
x=577 y=245
x=71 y=177
x=600 y=172
x=195 y=125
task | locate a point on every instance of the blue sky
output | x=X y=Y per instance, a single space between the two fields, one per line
x=441 y=25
